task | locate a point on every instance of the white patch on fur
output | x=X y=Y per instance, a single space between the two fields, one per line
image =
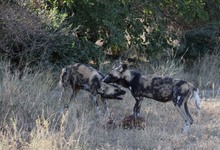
x=115 y=73
x=127 y=76
x=186 y=127
x=178 y=98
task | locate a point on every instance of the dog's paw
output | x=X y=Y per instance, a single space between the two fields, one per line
x=110 y=124
x=131 y=122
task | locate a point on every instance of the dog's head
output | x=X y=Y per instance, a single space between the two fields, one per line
x=117 y=75
x=111 y=91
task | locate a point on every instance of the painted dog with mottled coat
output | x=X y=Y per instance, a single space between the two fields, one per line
x=162 y=89
x=84 y=77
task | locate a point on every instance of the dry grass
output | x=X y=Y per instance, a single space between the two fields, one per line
x=30 y=119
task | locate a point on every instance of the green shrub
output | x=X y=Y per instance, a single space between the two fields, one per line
x=198 y=42
x=27 y=41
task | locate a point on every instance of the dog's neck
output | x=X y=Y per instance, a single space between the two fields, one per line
x=131 y=78
x=128 y=75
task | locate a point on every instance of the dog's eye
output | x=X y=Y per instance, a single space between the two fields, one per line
x=101 y=90
x=111 y=75
x=117 y=90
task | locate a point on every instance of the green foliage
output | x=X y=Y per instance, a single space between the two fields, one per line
x=67 y=30
x=139 y=25
x=200 y=41
x=98 y=20
x=27 y=41
x=119 y=24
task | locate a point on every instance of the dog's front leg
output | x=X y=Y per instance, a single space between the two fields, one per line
x=94 y=98
x=106 y=106
x=137 y=106
x=135 y=121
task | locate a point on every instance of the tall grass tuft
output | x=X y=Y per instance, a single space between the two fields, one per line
x=207 y=71
x=29 y=112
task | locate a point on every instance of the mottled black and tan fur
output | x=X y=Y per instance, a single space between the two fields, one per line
x=162 y=89
x=84 y=77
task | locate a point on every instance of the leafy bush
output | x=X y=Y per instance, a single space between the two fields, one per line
x=27 y=41
x=120 y=25
x=54 y=33
x=198 y=42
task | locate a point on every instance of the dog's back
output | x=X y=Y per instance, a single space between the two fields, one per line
x=81 y=76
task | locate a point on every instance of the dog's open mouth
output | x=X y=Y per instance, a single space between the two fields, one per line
x=115 y=96
x=119 y=97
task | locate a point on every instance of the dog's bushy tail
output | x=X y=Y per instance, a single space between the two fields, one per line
x=62 y=77
x=197 y=99
x=195 y=96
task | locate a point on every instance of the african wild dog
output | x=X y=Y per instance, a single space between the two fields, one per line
x=162 y=89
x=84 y=77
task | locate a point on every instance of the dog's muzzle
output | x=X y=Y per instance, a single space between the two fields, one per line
x=118 y=96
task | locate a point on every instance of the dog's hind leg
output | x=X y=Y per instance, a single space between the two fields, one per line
x=185 y=100
x=61 y=94
x=63 y=86
x=61 y=111
x=187 y=113
x=73 y=95
x=184 y=112
x=180 y=101
x=75 y=89
x=185 y=117
x=66 y=104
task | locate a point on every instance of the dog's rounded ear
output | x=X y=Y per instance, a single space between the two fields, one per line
x=116 y=64
x=102 y=89
x=124 y=66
